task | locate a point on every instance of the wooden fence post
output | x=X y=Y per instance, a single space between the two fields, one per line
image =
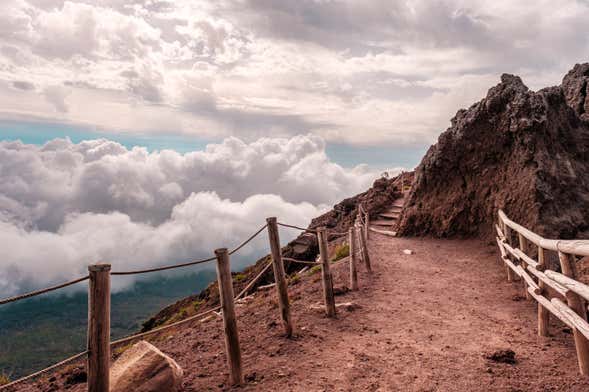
x=365 y=250
x=523 y=246
x=357 y=230
x=278 y=266
x=577 y=304
x=353 y=261
x=229 y=321
x=99 y=328
x=326 y=273
x=366 y=222
x=543 y=313
x=510 y=273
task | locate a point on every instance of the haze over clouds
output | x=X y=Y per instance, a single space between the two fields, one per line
x=65 y=205
x=362 y=72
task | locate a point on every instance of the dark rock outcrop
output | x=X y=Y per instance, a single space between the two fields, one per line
x=576 y=90
x=521 y=151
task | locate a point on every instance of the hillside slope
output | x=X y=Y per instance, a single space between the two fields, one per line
x=522 y=151
x=304 y=247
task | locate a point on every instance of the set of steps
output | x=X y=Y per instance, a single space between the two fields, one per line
x=387 y=221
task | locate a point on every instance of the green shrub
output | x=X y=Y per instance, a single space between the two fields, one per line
x=196 y=304
x=240 y=277
x=294 y=279
x=341 y=251
x=314 y=269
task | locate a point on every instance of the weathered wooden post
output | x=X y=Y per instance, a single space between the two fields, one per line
x=278 y=266
x=353 y=261
x=327 y=278
x=576 y=303
x=365 y=251
x=523 y=246
x=543 y=313
x=510 y=273
x=366 y=222
x=357 y=230
x=99 y=328
x=229 y=320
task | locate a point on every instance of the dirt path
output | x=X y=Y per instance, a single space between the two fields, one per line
x=425 y=323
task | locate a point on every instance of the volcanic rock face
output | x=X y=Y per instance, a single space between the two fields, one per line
x=521 y=151
x=576 y=90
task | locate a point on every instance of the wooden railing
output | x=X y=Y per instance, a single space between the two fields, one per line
x=99 y=347
x=525 y=255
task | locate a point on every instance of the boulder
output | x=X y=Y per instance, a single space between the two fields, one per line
x=144 y=368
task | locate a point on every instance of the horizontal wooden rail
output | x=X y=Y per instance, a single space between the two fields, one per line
x=549 y=288
x=575 y=247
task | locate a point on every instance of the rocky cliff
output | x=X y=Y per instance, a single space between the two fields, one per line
x=522 y=151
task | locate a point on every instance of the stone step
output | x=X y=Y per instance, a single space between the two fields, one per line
x=385 y=232
x=383 y=223
x=390 y=215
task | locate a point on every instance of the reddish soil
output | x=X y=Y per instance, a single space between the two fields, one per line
x=442 y=319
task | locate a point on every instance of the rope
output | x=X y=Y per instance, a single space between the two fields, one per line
x=163 y=268
x=46 y=370
x=215 y=309
x=250 y=284
x=249 y=239
x=159 y=329
x=297 y=227
x=136 y=336
x=190 y=262
x=300 y=261
x=43 y=291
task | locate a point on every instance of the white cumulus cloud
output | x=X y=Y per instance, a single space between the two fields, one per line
x=65 y=205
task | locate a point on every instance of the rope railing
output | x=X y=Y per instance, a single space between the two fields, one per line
x=291 y=260
x=99 y=343
x=190 y=263
x=557 y=294
x=297 y=228
x=162 y=328
x=69 y=360
x=43 y=291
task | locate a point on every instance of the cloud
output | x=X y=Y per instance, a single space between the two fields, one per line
x=64 y=205
x=356 y=72
x=56 y=96
x=22 y=85
x=197 y=226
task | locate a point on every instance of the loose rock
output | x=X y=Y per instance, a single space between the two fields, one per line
x=144 y=368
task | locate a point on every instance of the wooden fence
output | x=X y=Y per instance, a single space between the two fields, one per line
x=99 y=347
x=526 y=256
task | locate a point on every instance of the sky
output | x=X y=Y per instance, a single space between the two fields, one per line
x=135 y=119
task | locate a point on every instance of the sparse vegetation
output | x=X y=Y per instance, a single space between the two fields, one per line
x=341 y=251
x=314 y=269
x=4 y=379
x=240 y=277
x=294 y=279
